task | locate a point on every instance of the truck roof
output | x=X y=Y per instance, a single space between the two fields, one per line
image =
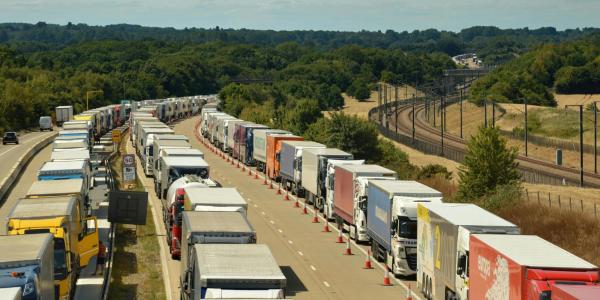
x=166 y=137
x=366 y=169
x=328 y=152
x=184 y=161
x=227 y=196
x=55 y=187
x=254 y=125
x=407 y=188
x=177 y=143
x=182 y=152
x=51 y=166
x=72 y=132
x=580 y=292
x=64 y=106
x=75 y=154
x=237 y=262
x=20 y=250
x=463 y=214
x=210 y=221
x=303 y=144
x=533 y=251
x=43 y=207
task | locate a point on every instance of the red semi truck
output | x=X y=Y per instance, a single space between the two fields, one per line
x=520 y=267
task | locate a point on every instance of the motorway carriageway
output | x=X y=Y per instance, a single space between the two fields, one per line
x=311 y=260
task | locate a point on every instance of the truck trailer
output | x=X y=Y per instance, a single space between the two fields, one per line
x=443 y=231
x=350 y=198
x=274 y=144
x=246 y=135
x=314 y=172
x=63 y=114
x=219 y=199
x=232 y=271
x=27 y=264
x=290 y=161
x=521 y=267
x=328 y=199
x=259 y=145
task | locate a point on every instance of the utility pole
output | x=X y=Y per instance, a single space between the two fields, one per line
x=485 y=113
x=580 y=142
x=379 y=102
x=493 y=114
x=442 y=124
x=433 y=113
x=526 y=128
x=595 y=137
x=413 y=118
x=461 y=113
x=396 y=111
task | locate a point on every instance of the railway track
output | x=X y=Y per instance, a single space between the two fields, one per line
x=427 y=133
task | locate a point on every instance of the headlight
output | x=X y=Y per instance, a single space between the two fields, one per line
x=28 y=288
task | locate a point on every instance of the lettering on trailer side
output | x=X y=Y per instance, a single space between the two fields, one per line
x=501 y=284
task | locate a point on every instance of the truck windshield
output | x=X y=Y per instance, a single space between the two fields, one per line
x=176 y=173
x=407 y=229
x=60 y=259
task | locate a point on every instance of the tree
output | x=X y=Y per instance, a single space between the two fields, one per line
x=489 y=163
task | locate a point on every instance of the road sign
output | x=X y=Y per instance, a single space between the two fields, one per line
x=116 y=136
x=127 y=207
x=129 y=167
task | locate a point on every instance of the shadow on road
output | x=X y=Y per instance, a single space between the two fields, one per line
x=294 y=284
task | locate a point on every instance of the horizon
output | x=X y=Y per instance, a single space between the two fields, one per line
x=305 y=15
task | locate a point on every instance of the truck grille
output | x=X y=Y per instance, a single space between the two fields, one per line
x=412 y=261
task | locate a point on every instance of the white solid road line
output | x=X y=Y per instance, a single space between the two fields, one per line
x=326 y=284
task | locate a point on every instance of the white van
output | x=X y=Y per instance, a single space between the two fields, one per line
x=46 y=123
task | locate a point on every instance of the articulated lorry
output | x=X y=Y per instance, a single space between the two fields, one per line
x=75 y=237
x=351 y=196
x=328 y=199
x=392 y=221
x=274 y=144
x=314 y=172
x=230 y=143
x=290 y=162
x=521 y=267
x=444 y=231
x=232 y=271
x=173 y=168
x=212 y=227
x=63 y=114
x=27 y=264
x=153 y=150
x=173 y=207
x=246 y=142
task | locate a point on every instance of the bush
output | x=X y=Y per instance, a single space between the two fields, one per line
x=502 y=196
x=433 y=170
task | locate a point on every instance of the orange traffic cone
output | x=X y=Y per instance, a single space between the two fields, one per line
x=340 y=239
x=249 y=172
x=348 y=250
x=279 y=191
x=326 y=227
x=265 y=181
x=238 y=164
x=271 y=185
x=256 y=176
x=243 y=168
x=304 y=211
x=232 y=163
x=409 y=293
x=286 y=197
x=386 y=277
x=368 y=260
x=315 y=218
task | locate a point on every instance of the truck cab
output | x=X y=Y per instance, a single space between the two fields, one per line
x=75 y=237
x=26 y=264
x=290 y=164
x=173 y=168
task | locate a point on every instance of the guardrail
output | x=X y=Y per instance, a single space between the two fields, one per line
x=7 y=183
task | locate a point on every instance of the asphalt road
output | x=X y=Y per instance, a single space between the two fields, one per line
x=311 y=260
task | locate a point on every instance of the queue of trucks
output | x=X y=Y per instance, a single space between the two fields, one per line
x=456 y=251
x=207 y=226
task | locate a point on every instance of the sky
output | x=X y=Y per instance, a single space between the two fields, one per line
x=344 y=15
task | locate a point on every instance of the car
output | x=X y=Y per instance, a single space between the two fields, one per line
x=10 y=137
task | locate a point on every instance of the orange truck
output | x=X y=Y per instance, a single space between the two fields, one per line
x=274 y=142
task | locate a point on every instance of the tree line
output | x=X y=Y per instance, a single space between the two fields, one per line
x=571 y=67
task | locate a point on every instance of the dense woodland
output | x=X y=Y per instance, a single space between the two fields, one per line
x=571 y=67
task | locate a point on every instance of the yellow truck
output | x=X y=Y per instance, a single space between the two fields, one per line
x=75 y=237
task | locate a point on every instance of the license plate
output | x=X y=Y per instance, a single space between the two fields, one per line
x=411 y=250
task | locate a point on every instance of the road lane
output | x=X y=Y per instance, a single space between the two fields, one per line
x=315 y=264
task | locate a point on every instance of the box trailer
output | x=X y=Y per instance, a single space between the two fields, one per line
x=259 y=145
x=232 y=271
x=63 y=114
x=290 y=161
x=274 y=144
x=443 y=232
x=392 y=221
x=61 y=188
x=73 y=169
x=80 y=154
x=314 y=172
x=230 y=144
x=330 y=183
x=213 y=227
x=223 y=132
x=27 y=267
x=154 y=149
x=521 y=267
x=350 y=198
